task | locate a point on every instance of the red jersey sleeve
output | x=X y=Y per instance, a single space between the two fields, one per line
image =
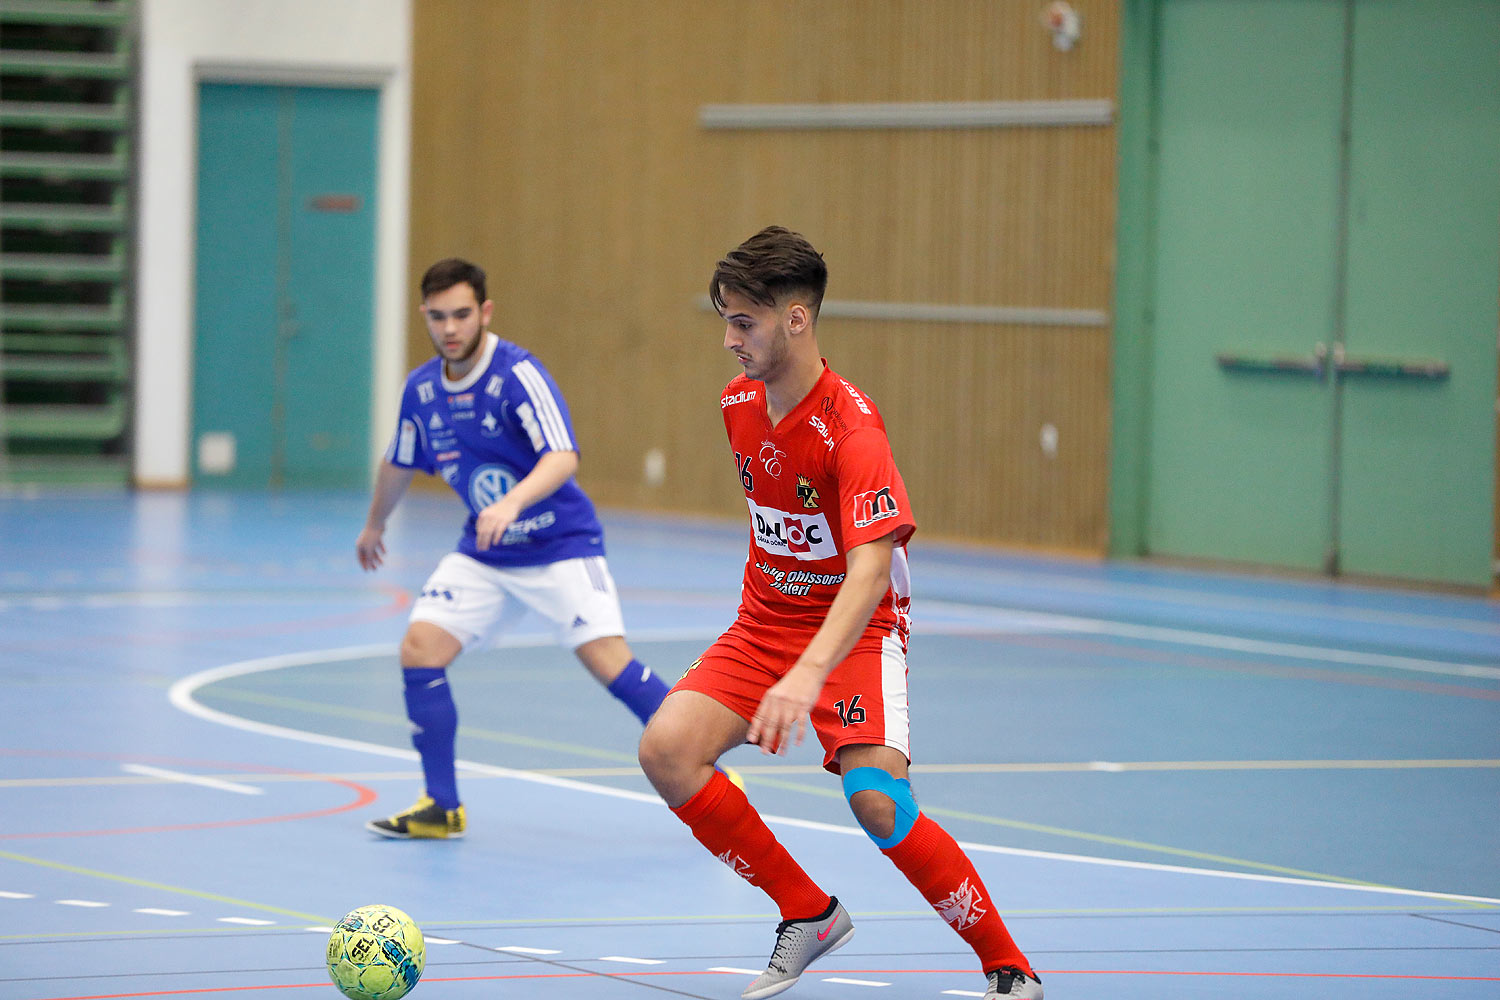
x=872 y=496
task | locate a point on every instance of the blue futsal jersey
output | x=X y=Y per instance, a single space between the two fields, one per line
x=483 y=435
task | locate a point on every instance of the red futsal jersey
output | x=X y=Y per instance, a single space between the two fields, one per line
x=820 y=482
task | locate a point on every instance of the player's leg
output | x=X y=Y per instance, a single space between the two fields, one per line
x=634 y=685
x=679 y=751
x=861 y=719
x=579 y=597
x=459 y=604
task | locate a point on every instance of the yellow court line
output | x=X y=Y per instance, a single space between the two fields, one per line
x=758 y=770
x=179 y=890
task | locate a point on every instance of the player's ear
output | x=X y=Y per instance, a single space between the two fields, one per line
x=484 y=313
x=798 y=317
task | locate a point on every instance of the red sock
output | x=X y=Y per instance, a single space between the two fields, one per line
x=727 y=824
x=934 y=863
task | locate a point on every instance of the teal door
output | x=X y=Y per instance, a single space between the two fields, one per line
x=1326 y=285
x=284 y=307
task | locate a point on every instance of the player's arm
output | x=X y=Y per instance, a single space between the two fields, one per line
x=390 y=486
x=552 y=469
x=784 y=709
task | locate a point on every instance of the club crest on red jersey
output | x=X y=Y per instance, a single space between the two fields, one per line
x=807 y=493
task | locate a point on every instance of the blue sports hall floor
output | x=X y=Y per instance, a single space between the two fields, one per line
x=1174 y=783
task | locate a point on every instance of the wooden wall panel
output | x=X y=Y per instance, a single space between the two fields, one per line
x=558 y=144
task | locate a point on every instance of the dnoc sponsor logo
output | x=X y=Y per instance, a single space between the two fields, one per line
x=740 y=397
x=876 y=505
x=804 y=536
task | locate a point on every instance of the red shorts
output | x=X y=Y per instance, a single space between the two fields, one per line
x=863 y=702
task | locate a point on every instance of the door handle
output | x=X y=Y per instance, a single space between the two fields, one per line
x=1314 y=364
x=1421 y=369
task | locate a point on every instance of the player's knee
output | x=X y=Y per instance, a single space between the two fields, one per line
x=875 y=812
x=882 y=803
x=420 y=648
x=657 y=752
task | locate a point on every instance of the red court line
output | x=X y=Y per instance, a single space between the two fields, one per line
x=363 y=794
x=845 y=972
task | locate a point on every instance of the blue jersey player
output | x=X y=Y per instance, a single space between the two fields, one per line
x=487 y=417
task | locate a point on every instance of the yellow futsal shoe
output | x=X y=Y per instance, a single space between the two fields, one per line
x=424 y=821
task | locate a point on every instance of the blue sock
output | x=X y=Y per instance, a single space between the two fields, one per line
x=434 y=720
x=639 y=689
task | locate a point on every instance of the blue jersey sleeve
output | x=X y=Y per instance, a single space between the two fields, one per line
x=409 y=446
x=538 y=406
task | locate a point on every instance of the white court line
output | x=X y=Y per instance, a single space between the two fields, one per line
x=1048 y=622
x=16 y=895
x=157 y=912
x=191 y=779
x=962 y=993
x=632 y=961
x=91 y=903
x=855 y=982
x=181 y=696
x=742 y=972
x=522 y=950
x=247 y=921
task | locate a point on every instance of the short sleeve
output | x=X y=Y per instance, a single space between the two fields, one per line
x=408 y=447
x=872 y=495
x=538 y=406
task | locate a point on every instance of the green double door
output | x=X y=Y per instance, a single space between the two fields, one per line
x=1326 y=286
x=284 y=286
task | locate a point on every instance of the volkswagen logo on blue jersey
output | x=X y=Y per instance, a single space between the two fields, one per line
x=488 y=484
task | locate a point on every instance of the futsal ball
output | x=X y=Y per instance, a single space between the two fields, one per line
x=376 y=953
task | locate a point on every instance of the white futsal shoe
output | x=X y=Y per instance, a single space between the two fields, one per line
x=799 y=943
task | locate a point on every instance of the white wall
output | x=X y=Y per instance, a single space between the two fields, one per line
x=330 y=42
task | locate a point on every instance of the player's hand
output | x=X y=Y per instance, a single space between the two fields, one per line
x=781 y=718
x=369 y=548
x=490 y=526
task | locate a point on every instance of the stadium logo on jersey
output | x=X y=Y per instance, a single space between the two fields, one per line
x=802 y=536
x=961 y=907
x=425 y=392
x=822 y=429
x=533 y=429
x=876 y=505
x=488 y=484
x=806 y=493
x=770 y=457
x=492 y=387
x=859 y=400
x=740 y=397
x=435 y=423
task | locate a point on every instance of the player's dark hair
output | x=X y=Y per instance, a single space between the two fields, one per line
x=770 y=266
x=454 y=271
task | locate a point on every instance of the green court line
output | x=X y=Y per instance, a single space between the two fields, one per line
x=403 y=725
x=163 y=887
x=937 y=811
x=1097 y=838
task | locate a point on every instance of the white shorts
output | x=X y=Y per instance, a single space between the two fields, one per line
x=473 y=602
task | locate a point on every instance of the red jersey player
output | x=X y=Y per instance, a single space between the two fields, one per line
x=821 y=630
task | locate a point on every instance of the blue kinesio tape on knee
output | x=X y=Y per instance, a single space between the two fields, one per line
x=898 y=790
